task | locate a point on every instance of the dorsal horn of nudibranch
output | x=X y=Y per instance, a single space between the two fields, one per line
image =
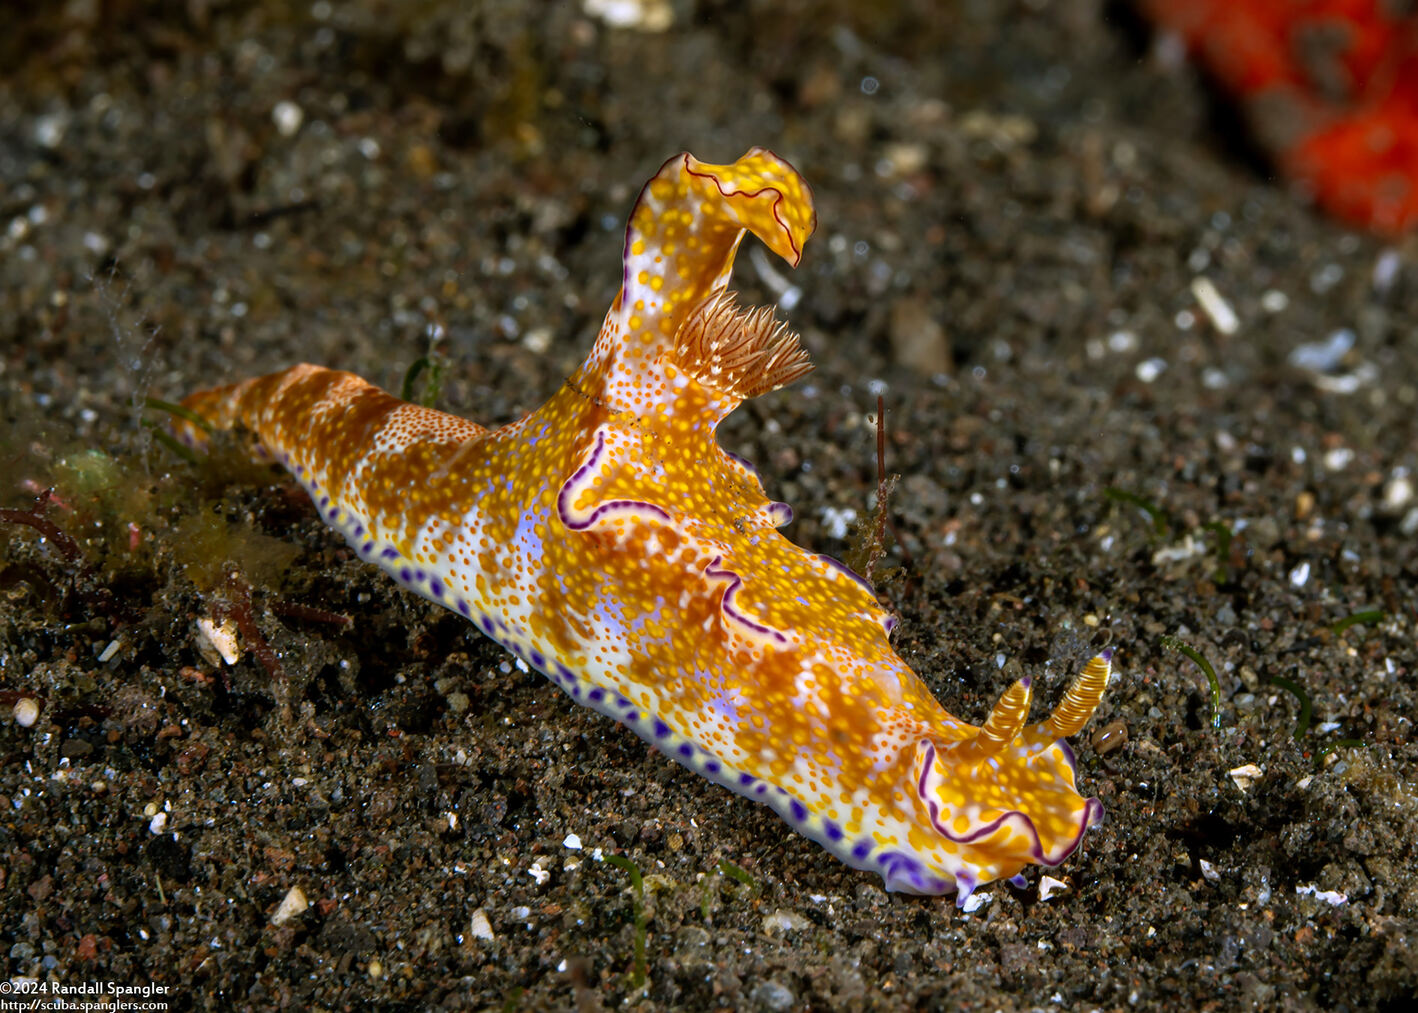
x=743 y=353
x=1006 y=720
x=1081 y=700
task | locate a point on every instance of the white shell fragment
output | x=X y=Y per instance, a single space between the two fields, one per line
x=975 y=901
x=1215 y=306
x=1246 y=775
x=26 y=711
x=641 y=15
x=292 y=904
x=1332 y=897
x=481 y=927
x=218 y=643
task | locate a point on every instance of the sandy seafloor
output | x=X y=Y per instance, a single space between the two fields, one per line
x=1015 y=202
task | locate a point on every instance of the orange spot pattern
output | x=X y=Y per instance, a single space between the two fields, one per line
x=608 y=541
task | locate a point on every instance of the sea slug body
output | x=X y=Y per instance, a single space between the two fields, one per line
x=609 y=542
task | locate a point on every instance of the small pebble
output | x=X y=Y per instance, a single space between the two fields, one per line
x=291 y=905
x=1246 y=775
x=771 y=995
x=838 y=520
x=784 y=921
x=1398 y=491
x=1338 y=458
x=481 y=928
x=1149 y=370
x=1110 y=738
x=288 y=117
x=1215 y=306
x=218 y=643
x=1386 y=269
x=1323 y=356
x=26 y=711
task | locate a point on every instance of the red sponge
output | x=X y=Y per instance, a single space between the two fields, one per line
x=1331 y=87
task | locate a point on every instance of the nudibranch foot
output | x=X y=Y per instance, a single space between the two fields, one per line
x=610 y=542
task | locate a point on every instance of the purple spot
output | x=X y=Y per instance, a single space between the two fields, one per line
x=537 y=660
x=798 y=810
x=436 y=587
x=463 y=608
x=746 y=779
x=486 y=624
x=576 y=692
x=596 y=695
x=1106 y=654
x=900 y=867
x=333 y=513
x=367 y=548
x=419 y=575
x=862 y=850
x=359 y=530
x=621 y=701
x=761 y=789
x=661 y=729
x=324 y=501
x=1018 y=881
x=405 y=575
x=632 y=716
x=389 y=554
x=833 y=831
x=686 y=750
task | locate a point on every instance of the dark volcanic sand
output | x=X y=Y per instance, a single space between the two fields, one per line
x=1012 y=213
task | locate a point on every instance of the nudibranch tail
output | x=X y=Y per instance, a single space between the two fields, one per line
x=220 y=406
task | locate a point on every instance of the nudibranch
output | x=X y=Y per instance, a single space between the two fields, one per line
x=609 y=542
